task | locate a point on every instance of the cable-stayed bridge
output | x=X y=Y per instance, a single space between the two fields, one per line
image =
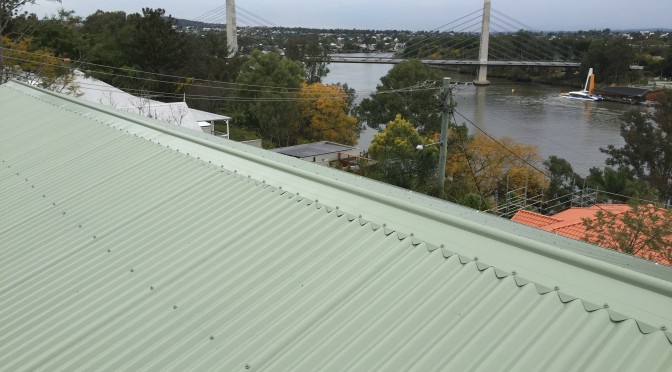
x=483 y=38
x=453 y=62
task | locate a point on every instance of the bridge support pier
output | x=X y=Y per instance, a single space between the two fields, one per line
x=482 y=78
x=231 y=30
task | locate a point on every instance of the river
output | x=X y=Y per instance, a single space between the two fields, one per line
x=530 y=113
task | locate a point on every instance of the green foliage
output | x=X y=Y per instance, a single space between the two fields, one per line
x=398 y=162
x=620 y=184
x=647 y=152
x=611 y=61
x=308 y=50
x=644 y=230
x=401 y=93
x=563 y=182
x=270 y=111
x=155 y=45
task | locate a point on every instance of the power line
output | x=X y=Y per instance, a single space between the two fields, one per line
x=502 y=145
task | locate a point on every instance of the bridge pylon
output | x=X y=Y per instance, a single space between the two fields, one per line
x=482 y=78
x=231 y=30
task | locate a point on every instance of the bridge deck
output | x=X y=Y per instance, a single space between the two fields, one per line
x=452 y=62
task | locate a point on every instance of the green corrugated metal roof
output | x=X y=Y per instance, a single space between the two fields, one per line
x=126 y=244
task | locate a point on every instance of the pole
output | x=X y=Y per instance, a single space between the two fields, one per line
x=482 y=78
x=445 y=122
x=231 y=31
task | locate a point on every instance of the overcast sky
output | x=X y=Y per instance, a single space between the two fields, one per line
x=565 y=15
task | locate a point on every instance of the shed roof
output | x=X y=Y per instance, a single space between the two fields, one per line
x=110 y=261
x=313 y=149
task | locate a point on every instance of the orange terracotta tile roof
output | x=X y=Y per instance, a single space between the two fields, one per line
x=533 y=219
x=569 y=223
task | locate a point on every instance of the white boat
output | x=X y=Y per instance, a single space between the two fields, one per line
x=587 y=93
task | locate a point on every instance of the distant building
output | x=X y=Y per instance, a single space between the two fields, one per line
x=629 y=95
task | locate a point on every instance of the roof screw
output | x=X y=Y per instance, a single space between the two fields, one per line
x=412 y=234
x=64 y=213
x=360 y=216
x=443 y=246
x=557 y=288
x=109 y=250
x=44 y=196
x=606 y=305
x=663 y=328
x=132 y=270
x=151 y=288
x=514 y=273
x=174 y=307
x=384 y=225
x=212 y=338
x=94 y=237
x=317 y=200
x=475 y=258
x=247 y=366
x=53 y=203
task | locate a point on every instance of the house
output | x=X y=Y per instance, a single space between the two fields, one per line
x=569 y=223
x=323 y=152
x=178 y=113
x=127 y=243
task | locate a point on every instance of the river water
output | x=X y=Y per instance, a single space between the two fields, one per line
x=530 y=113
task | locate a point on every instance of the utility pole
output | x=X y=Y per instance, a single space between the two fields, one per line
x=231 y=31
x=446 y=114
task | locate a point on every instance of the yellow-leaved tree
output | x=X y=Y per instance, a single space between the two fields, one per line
x=44 y=67
x=487 y=166
x=324 y=114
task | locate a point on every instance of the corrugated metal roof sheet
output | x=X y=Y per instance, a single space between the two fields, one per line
x=126 y=244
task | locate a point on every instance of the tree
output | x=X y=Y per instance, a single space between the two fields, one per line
x=491 y=167
x=324 y=114
x=268 y=86
x=43 y=65
x=403 y=91
x=620 y=184
x=308 y=50
x=398 y=162
x=611 y=60
x=563 y=182
x=648 y=146
x=644 y=231
x=8 y=10
x=154 y=45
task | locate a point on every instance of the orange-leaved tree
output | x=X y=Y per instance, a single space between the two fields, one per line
x=323 y=111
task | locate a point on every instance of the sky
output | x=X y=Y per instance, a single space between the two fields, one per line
x=542 y=15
